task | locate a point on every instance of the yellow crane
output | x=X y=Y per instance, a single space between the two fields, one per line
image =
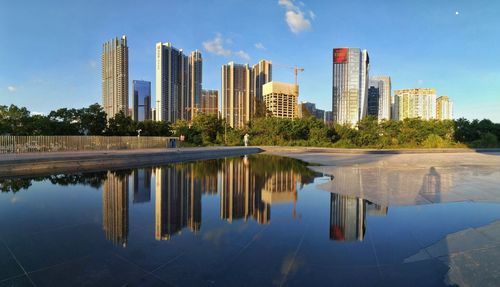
x=296 y=70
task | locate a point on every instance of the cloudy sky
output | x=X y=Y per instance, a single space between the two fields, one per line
x=50 y=50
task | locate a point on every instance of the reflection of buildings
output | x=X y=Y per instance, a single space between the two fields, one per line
x=281 y=187
x=141 y=184
x=348 y=216
x=247 y=192
x=178 y=201
x=115 y=208
x=241 y=196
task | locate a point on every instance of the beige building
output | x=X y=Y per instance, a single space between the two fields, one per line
x=195 y=81
x=210 y=102
x=444 y=108
x=262 y=74
x=115 y=76
x=237 y=94
x=281 y=99
x=415 y=103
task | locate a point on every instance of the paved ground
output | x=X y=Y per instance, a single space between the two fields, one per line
x=53 y=162
x=473 y=254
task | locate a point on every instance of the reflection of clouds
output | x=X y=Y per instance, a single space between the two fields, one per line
x=216 y=235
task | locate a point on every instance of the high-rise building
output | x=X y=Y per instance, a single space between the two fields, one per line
x=172 y=83
x=141 y=100
x=262 y=74
x=350 y=85
x=210 y=102
x=237 y=94
x=444 y=108
x=115 y=76
x=195 y=80
x=384 y=102
x=281 y=99
x=415 y=103
x=373 y=98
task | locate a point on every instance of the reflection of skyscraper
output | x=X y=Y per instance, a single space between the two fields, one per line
x=281 y=187
x=115 y=208
x=178 y=201
x=141 y=184
x=347 y=218
x=241 y=193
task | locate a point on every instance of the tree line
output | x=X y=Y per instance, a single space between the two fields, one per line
x=206 y=130
x=85 y=121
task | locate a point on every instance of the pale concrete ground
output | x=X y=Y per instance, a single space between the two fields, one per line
x=53 y=162
x=473 y=254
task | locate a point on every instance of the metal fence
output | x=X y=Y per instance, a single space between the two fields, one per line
x=25 y=144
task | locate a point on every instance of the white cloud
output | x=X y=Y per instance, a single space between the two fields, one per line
x=216 y=46
x=296 y=19
x=12 y=89
x=243 y=55
x=312 y=15
x=259 y=46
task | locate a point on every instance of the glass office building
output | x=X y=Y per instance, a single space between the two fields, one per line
x=350 y=85
x=141 y=100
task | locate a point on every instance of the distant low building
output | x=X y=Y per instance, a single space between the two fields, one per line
x=373 y=98
x=281 y=99
x=415 y=103
x=328 y=117
x=444 y=108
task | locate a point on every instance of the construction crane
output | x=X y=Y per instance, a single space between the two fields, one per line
x=296 y=71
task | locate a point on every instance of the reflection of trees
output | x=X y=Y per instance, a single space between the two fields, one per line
x=93 y=179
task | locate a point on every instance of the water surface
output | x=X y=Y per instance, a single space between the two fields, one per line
x=257 y=220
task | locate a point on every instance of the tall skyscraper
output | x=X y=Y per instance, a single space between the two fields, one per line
x=141 y=100
x=384 y=102
x=195 y=80
x=115 y=76
x=237 y=94
x=444 y=108
x=350 y=85
x=172 y=83
x=281 y=99
x=262 y=74
x=374 y=97
x=210 y=102
x=415 y=103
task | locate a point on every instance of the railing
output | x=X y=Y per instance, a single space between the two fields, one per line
x=25 y=144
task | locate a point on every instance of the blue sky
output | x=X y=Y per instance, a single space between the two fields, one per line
x=50 y=50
